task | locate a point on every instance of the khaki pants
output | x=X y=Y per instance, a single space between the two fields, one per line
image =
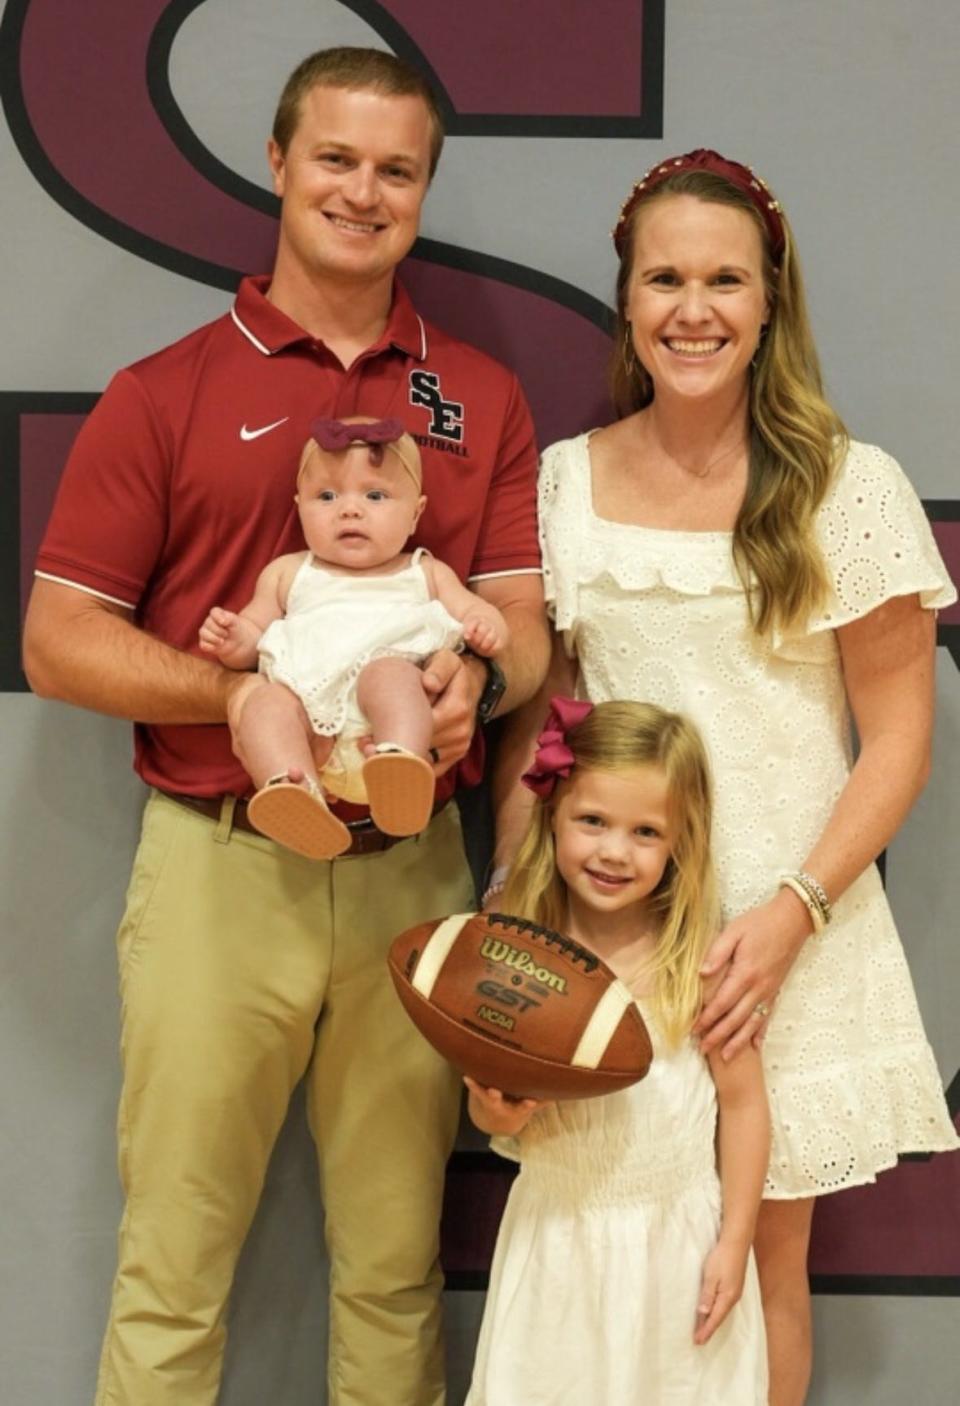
x=242 y=967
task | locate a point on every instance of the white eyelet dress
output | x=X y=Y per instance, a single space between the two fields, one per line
x=596 y=1275
x=662 y=615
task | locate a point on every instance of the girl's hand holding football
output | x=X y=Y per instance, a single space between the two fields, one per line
x=493 y=1112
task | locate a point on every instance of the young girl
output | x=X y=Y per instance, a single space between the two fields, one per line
x=341 y=631
x=623 y=1272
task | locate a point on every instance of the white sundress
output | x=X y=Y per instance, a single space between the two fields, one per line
x=661 y=615
x=597 y=1269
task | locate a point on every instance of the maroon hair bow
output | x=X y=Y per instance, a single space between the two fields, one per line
x=757 y=191
x=333 y=435
x=554 y=757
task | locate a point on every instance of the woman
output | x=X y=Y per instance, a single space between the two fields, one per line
x=725 y=551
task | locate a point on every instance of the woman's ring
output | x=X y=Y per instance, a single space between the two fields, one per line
x=761 y=1009
x=434 y=755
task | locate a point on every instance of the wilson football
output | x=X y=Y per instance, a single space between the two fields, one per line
x=520 y=1008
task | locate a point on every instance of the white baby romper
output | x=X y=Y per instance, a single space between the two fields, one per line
x=594 y=1283
x=336 y=623
x=661 y=615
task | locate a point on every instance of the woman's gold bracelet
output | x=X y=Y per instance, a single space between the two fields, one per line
x=811 y=894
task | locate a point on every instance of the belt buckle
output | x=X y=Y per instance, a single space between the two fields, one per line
x=365 y=838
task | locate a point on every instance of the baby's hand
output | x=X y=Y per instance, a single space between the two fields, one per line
x=485 y=631
x=219 y=630
x=231 y=637
x=493 y=1112
x=720 y=1288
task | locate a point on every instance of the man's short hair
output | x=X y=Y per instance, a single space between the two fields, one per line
x=372 y=70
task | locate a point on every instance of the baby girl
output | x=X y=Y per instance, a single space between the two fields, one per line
x=341 y=631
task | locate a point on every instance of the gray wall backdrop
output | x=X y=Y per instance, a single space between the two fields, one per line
x=850 y=111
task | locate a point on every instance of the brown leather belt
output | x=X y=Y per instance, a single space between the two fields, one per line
x=365 y=838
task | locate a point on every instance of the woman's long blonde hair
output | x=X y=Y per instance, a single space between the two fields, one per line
x=613 y=737
x=796 y=437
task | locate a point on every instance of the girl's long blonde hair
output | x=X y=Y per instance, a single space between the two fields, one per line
x=796 y=437
x=615 y=736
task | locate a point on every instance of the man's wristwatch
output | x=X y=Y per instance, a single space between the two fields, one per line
x=494 y=689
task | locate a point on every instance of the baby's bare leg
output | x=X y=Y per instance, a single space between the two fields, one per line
x=321 y=747
x=400 y=784
x=273 y=736
x=390 y=693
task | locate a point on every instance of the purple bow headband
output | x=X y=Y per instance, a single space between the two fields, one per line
x=333 y=435
x=554 y=758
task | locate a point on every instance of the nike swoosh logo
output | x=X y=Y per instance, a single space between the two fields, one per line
x=246 y=434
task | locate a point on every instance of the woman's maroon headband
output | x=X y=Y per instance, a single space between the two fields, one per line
x=762 y=199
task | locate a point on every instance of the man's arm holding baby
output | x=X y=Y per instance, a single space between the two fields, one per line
x=455 y=682
x=82 y=649
x=505 y=572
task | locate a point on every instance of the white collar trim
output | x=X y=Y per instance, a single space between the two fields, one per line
x=267 y=352
x=249 y=335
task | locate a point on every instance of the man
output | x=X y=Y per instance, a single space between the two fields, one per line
x=242 y=965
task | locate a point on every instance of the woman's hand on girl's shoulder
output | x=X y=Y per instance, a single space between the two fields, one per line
x=710 y=982
x=757 y=949
x=494 y=1112
x=721 y=1285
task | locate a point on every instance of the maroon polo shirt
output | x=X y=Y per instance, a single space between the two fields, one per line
x=179 y=488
